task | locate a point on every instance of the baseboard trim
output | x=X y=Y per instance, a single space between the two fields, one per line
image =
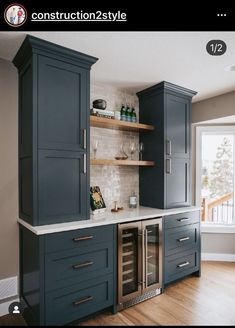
x=218 y=257
x=4 y=306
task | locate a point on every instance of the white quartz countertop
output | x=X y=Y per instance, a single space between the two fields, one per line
x=128 y=215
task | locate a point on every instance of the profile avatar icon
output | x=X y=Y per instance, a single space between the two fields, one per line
x=15 y=308
x=15 y=15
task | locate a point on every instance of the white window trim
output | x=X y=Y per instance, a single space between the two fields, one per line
x=207 y=227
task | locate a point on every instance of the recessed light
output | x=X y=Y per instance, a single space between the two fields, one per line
x=230 y=68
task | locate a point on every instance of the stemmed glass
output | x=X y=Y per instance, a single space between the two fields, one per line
x=132 y=148
x=141 y=149
x=95 y=144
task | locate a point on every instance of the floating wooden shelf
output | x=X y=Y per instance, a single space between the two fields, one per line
x=121 y=162
x=102 y=122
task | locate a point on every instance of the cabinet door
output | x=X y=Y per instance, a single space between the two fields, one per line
x=177 y=182
x=62 y=105
x=177 y=126
x=62 y=186
x=129 y=261
x=152 y=257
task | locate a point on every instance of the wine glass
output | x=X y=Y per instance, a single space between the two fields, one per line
x=132 y=148
x=95 y=144
x=141 y=149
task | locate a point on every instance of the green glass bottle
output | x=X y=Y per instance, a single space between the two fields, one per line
x=128 y=113
x=133 y=115
x=123 y=113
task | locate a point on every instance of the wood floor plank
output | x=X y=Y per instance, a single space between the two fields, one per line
x=208 y=300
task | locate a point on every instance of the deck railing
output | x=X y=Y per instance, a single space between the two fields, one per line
x=219 y=210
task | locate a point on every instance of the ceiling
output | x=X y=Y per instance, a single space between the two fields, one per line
x=136 y=60
x=221 y=120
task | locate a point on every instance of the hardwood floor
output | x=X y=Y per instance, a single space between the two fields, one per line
x=208 y=300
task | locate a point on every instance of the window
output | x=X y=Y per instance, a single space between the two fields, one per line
x=215 y=174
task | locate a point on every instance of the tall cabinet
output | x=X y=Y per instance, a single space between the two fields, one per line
x=54 y=90
x=167 y=184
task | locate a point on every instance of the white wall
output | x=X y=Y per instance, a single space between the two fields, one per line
x=8 y=170
x=209 y=109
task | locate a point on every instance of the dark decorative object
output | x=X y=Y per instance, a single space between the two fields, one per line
x=99 y=104
x=96 y=200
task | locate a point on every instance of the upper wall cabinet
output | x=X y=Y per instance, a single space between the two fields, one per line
x=168 y=108
x=62 y=97
x=54 y=121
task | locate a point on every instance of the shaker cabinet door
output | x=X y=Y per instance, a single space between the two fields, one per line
x=177 y=126
x=177 y=182
x=62 y=186
x=62 y=105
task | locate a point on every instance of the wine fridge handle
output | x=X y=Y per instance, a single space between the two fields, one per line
x=146 y=258
x=143 y=259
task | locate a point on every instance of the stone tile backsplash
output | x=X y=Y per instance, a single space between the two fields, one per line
x=116 y=182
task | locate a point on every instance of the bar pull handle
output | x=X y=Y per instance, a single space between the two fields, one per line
x=84 y=163
x=183 y=239
x=181 y=265
x=82 y=265
x=83 y=300
x=75 y=239
x=183 y=219
x=168 y=166
x=168 y=147
x=84 y=138
x=145 y=259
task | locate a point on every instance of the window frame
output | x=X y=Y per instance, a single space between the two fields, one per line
x=210 y=227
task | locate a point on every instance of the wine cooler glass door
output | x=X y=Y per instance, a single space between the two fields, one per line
x=129 y=261
x=152 y=230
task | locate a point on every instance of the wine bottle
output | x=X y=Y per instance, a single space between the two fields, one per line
x=123 y=113
x=133 y=115
x=128 y=114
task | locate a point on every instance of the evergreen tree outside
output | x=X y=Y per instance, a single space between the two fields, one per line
x=221 y=180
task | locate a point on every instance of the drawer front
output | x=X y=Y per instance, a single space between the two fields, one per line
x=73 y=266
x=180 y=266
x=182 y=238
x=68 y=304
x=78 y=238
x=179 y=220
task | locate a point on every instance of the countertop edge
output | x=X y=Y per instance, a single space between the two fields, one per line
x=127 y=216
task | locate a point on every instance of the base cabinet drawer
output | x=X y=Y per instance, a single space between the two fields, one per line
x=181 y=265
x=68 y=304
x=181 y=239
x=74 y=266
x=181 y=219
x=78 y=238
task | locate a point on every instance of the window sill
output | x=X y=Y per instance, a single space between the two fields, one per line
x=217 y=228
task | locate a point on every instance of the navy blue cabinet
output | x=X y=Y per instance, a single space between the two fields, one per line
x=168 y=108
x=54 y=89
x=66 y=276
x=182 y=246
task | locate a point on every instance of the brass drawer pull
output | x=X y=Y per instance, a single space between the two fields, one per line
x=181 y=265
x=183 y=219
x=83 y=300
x=183 y=239
x=82 y=238
x=82 y=265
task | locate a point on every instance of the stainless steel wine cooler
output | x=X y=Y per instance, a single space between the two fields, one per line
x=139 y=261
